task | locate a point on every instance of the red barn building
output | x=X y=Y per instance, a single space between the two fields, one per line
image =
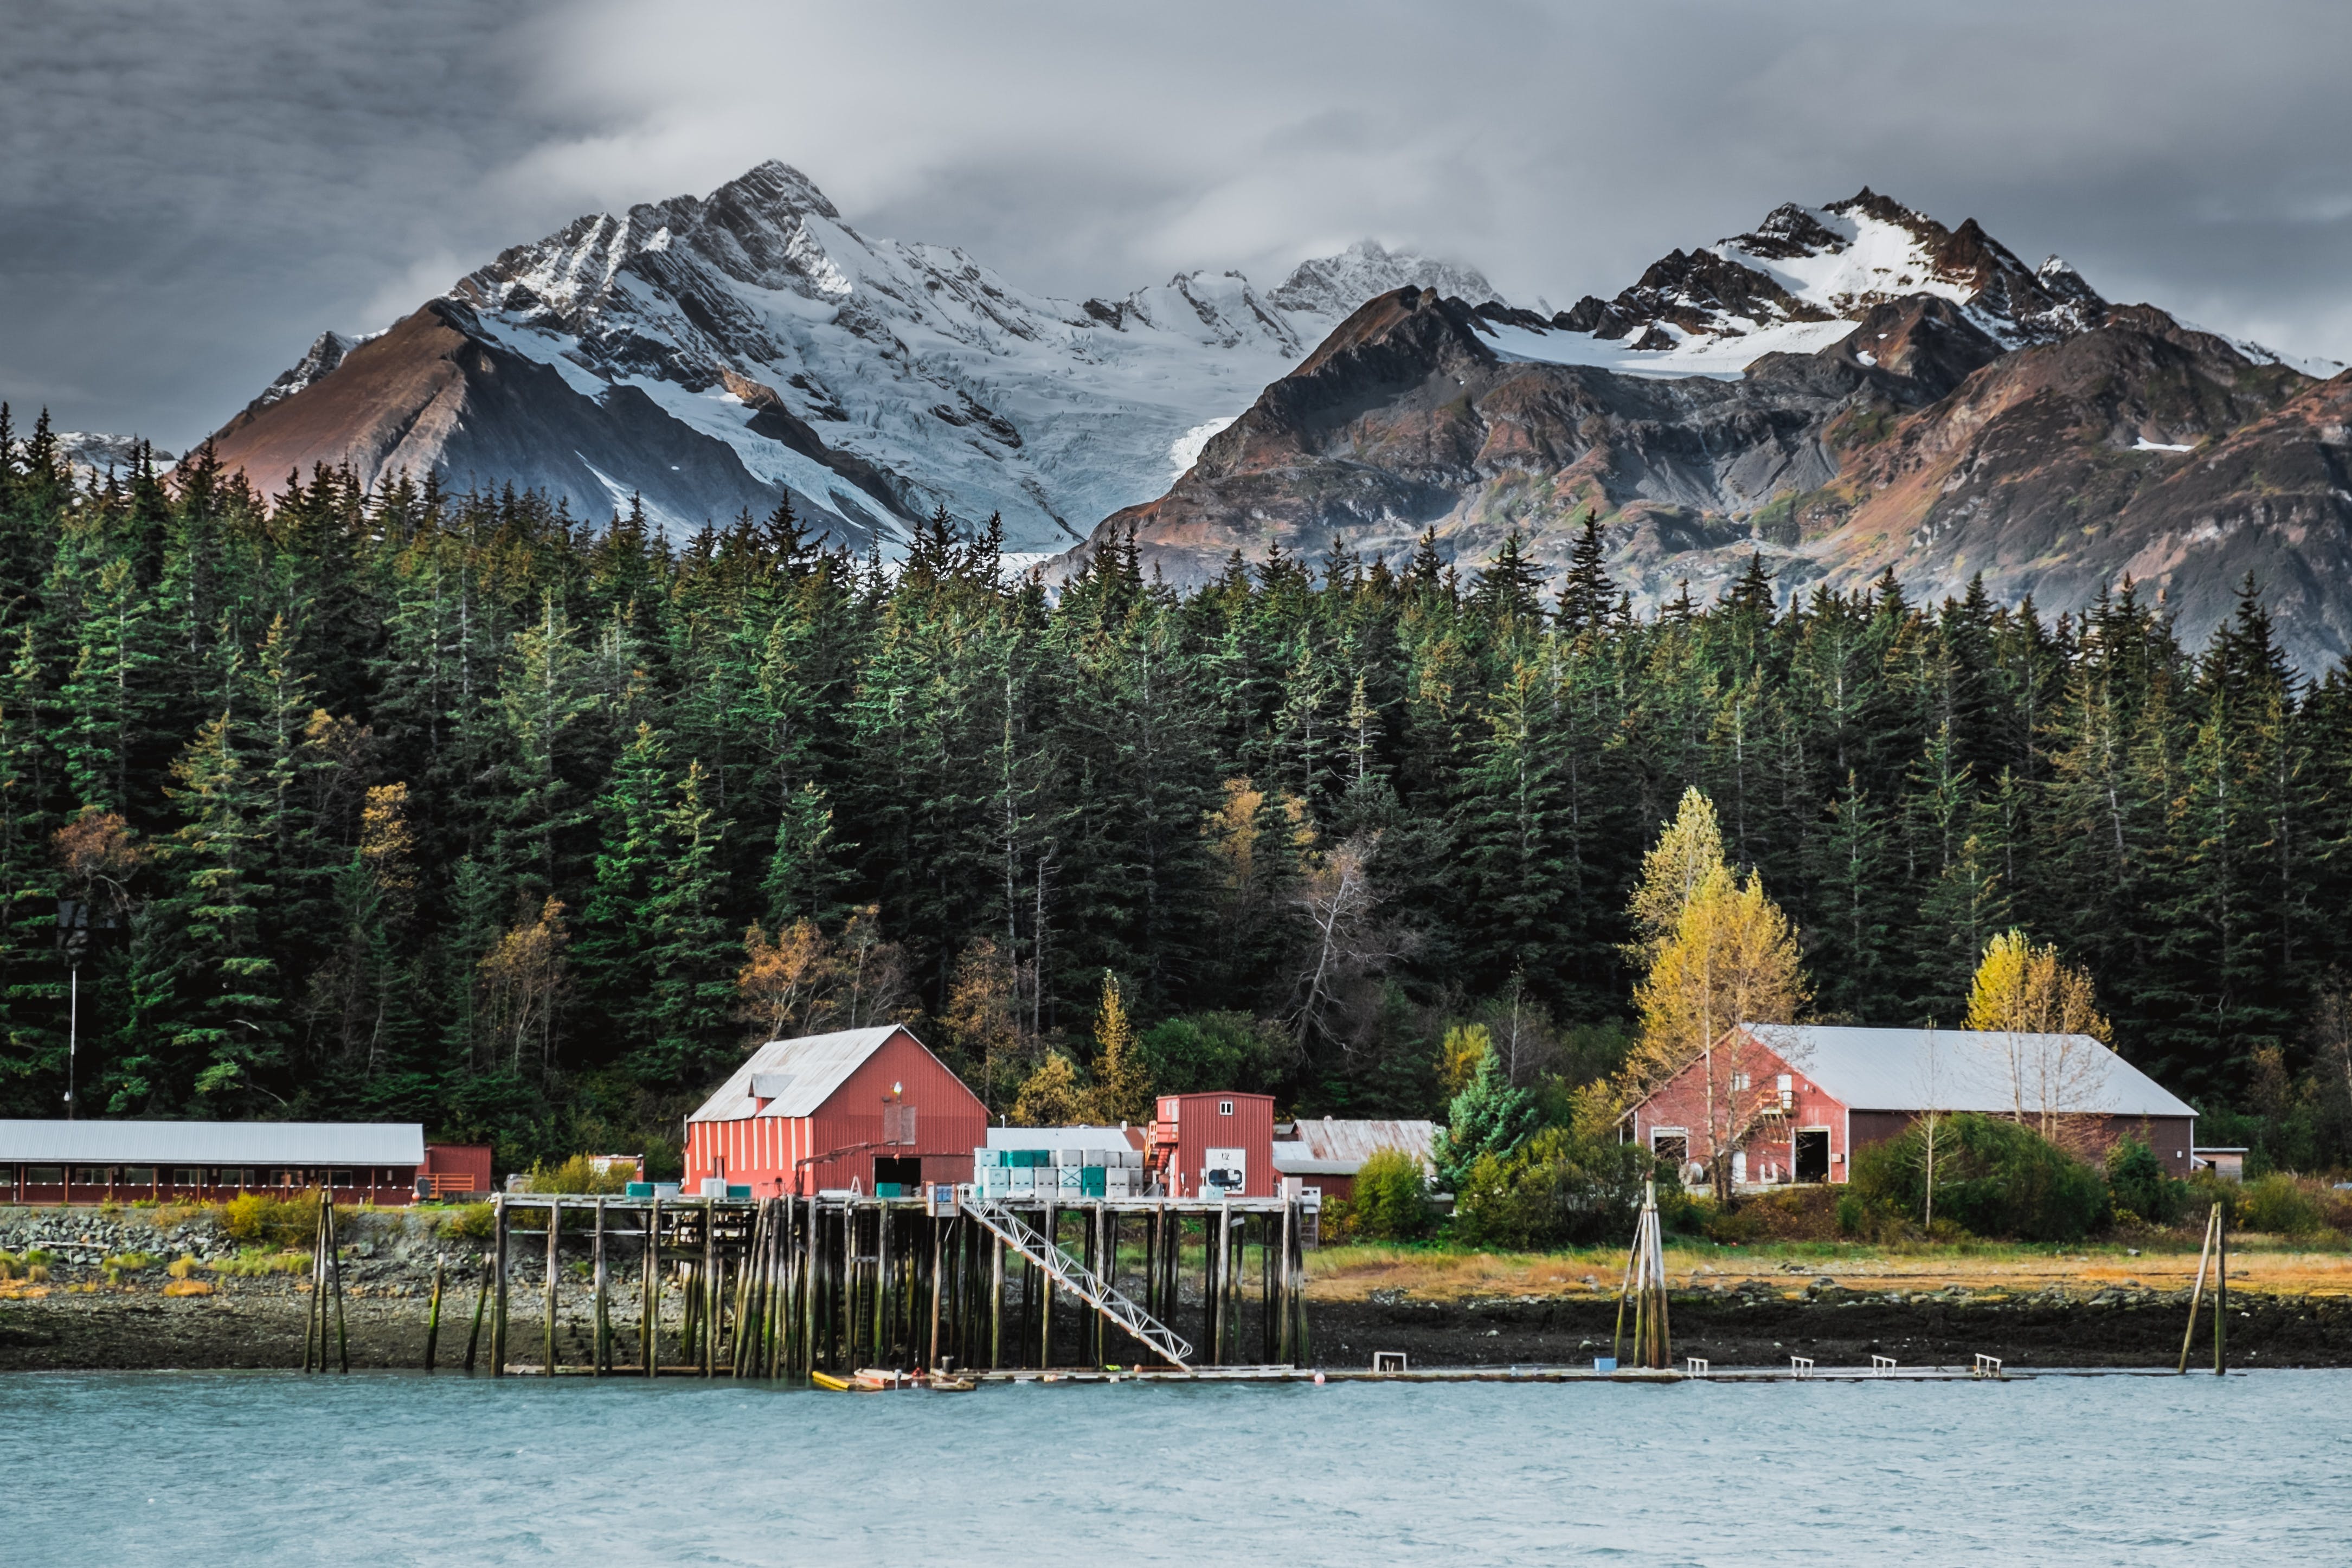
x=823 y=1111
x=1806 y=1097
x=1205 y=1143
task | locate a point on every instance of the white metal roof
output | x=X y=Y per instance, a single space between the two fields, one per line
x=1060 y=1137
x=1960 y=1069
x=1351 y=1142
x=794 y=1076
x=212 y=1143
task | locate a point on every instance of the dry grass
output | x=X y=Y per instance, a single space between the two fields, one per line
x=190 y=1288
x=2262 y=1263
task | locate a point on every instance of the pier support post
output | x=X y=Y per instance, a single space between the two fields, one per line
x=649 y=1295
x=602 y=1346
x=433 y=1313
x=481 y=1301
x=555 y=1238
x=500 y=1223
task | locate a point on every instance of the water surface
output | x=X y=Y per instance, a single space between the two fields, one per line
x=130 y=1469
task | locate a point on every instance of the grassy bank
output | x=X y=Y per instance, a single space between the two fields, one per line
x=2162 y=1261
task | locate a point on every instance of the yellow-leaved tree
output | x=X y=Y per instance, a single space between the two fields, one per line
x=1122 y=1090
x=1719 y=952
x=2040 y=1009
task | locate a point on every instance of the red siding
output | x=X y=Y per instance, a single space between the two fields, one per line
x=459 y=1167
x=762 y=1152
x=1681 y=1104
x=1189 y=1125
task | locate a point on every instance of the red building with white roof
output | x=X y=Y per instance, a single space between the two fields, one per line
x=1813 y=1094
x=826 y=1112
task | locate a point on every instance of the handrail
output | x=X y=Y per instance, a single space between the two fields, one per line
x=1080 y=1281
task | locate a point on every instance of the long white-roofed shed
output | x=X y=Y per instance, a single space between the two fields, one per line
x=1806 y=1095
x=91 y=1162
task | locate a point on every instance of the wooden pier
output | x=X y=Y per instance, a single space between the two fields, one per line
x=781 y=1287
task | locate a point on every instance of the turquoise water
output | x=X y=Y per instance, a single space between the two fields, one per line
x=218 y=1468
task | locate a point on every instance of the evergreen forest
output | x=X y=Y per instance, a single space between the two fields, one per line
x=392 y=803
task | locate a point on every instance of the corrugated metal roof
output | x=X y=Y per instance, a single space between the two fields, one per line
x=1957 y=1069
x=1293 y=1157
x=212 y=1143
x=794 y=1076
x=1351 y=1143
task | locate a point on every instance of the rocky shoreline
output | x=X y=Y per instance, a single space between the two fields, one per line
x=85 y=1315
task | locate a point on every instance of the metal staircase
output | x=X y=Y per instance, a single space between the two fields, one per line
x=1078 y=1279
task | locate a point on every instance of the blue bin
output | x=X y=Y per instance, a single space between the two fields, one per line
x=640 y=1190
x=1605 y=1364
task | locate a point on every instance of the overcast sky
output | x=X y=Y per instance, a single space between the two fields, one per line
x=190 y=194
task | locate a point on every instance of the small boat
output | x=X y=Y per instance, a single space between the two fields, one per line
x=878 y=1379
x=838 y=1384
x=940 y=1383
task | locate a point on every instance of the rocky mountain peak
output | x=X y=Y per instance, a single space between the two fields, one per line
x=1335 y=285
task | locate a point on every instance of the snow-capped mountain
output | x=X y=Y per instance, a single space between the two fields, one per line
x=706 y=352
x=1847 y=391
x=91 y=453
x=1800 y=281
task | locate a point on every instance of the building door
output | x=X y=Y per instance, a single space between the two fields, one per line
x=1812 y=1153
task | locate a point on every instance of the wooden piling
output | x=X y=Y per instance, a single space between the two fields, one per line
x=481 y=1300
x=433 y=1314
x=2220 y=1290
x=313 y=1307
x=498 y=1318
x=808 y=1294
x=996 y=1302
x=708 y=1327
x=931 y=1340
x=1045 y=1288
x=335 y=1267
x=649 y=1295
x=601 y=1340
x=2197 y=1289
x=554 y=1237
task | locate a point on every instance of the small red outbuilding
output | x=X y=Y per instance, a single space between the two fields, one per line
x=1205 y=1145
x=862 y=1105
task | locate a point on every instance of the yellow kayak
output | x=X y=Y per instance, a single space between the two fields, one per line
x=838 y=1384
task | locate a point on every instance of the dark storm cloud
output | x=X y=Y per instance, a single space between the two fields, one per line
x=190 y=194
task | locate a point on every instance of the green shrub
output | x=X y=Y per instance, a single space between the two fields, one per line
x=2140 y=1187
x=1391 y=1199
x=263 y=1220
x=472 y=1222
x=579 y=1175
x=129 y=1262
x=1558 y=1191
x=2279 y=1204
x=1993 y=1177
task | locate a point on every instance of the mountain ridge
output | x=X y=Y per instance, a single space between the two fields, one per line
x=908 y=375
